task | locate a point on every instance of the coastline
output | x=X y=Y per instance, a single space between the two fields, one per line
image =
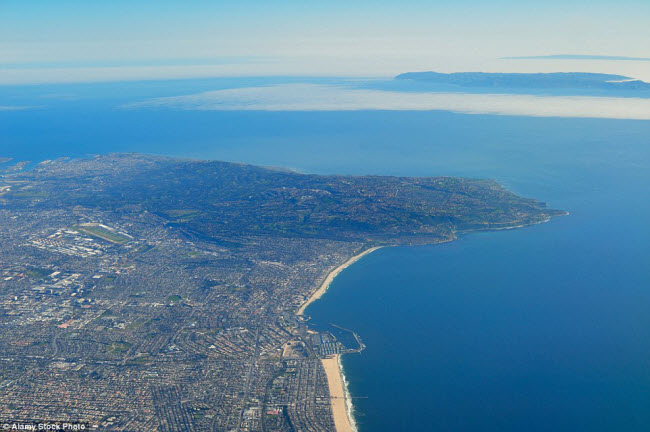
x=330 y=277
x=339 y=397
x=340 y=401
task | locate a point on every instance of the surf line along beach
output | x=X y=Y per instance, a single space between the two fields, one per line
x=339 y=397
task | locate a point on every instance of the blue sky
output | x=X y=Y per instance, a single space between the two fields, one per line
x=360 y=37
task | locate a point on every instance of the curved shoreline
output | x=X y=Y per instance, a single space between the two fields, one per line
x=339 y=396
x=330 y=277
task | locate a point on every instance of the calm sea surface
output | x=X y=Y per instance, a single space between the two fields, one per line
x=545 y=328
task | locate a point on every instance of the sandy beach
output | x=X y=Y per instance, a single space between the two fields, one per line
x=342 y=421
x=330 y=277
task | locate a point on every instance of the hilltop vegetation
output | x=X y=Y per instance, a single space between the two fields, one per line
x=218 y=199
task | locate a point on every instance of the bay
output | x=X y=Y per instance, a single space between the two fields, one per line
x=536 y=329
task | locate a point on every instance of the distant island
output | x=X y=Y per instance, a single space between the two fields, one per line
x=156 y=293
x=560 y=80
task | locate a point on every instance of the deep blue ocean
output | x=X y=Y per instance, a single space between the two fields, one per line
x=545 y=328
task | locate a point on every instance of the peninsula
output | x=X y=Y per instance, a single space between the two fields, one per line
x=168 y=294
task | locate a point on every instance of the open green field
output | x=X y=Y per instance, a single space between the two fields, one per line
x=102 y=233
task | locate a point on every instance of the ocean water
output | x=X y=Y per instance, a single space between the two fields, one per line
x=545 y=328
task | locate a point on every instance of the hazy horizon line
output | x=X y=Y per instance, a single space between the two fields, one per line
x=576 y=57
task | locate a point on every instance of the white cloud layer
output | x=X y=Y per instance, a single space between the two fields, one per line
x=309 y=97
